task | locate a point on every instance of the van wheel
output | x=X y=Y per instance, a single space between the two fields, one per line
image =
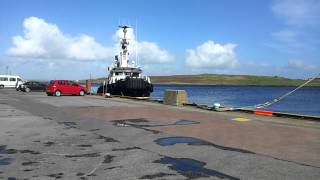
x=57 y=93
x=1 y=86
x=28 y=89
x=81 y=93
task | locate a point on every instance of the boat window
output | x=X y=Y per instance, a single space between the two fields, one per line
x=19 y=79
x=118 y=73
x=135 y=74
x=128 y=74
x=13 y=79
x=3 y=79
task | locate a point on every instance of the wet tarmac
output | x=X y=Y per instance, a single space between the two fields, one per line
x=169 y=141
x=5 y=161
x=185 y=122
x=155 y=176
x=89 y=138
x=192 y=169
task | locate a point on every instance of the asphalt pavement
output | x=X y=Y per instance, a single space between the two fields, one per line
x=72 y=137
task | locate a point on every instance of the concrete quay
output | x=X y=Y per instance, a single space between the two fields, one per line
x=90 y=137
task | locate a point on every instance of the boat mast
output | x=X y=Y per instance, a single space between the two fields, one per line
x=124 y=54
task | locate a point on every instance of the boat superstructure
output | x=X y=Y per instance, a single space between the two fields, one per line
x=126 y=78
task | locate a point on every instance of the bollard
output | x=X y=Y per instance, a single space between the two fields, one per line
x=88 y=85
x=175 y=97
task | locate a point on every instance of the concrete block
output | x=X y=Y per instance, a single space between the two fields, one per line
x=175 y=97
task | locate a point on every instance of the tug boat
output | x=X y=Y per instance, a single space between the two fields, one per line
x=125 y=78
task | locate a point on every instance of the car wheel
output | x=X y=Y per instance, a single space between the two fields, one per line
x=81 y=93
x=1 y=86
x=57 y=93
x=28 y=89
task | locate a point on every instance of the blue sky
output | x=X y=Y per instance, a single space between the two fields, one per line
x=71 y=39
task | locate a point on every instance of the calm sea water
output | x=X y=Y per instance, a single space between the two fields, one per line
x=303 y=101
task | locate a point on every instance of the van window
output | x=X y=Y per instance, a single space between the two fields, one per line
x=13 y=79
x=3 y=79
x=19 y=79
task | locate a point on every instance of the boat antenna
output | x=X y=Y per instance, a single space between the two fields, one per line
x=136 y=46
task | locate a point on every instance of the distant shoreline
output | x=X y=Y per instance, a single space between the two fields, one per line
x=230 y=80
x=225 y=80
x=195 y=84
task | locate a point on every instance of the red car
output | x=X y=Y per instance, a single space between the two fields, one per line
x=59 y=87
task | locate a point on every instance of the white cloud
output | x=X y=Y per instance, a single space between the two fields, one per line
x=42 y=40
x=297 y=12
x=300 y=65
x=212 y=55
x=300 y=18
x=289 y=41
x=45 y=41
x=286 y=36
x=148 y=52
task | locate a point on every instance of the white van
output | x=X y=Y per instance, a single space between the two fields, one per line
x=9 y=81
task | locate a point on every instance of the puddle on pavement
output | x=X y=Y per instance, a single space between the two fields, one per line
x=108 y=159
x=141 y=120
x=27 y=151
x=12 y=178
x=27 y=170
x=56 y=176
x=107 y=139
x=186 y=122
x=169 y=141
x=48 y=118
x=192 y=169
x=126 y=122
x=126 y=149
x=157 y=175
x=69 y=125
x=80 y=174
x=131 y=122
x=10 y=151
x=84 y=145
x=2 y=149
x=83 y=155
x=113 y=167
x=48 y=143
x=29 y=163
x=5 y=161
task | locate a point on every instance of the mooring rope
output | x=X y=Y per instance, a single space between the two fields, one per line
x=266 y=104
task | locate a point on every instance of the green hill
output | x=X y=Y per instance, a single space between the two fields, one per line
x=220 y=79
